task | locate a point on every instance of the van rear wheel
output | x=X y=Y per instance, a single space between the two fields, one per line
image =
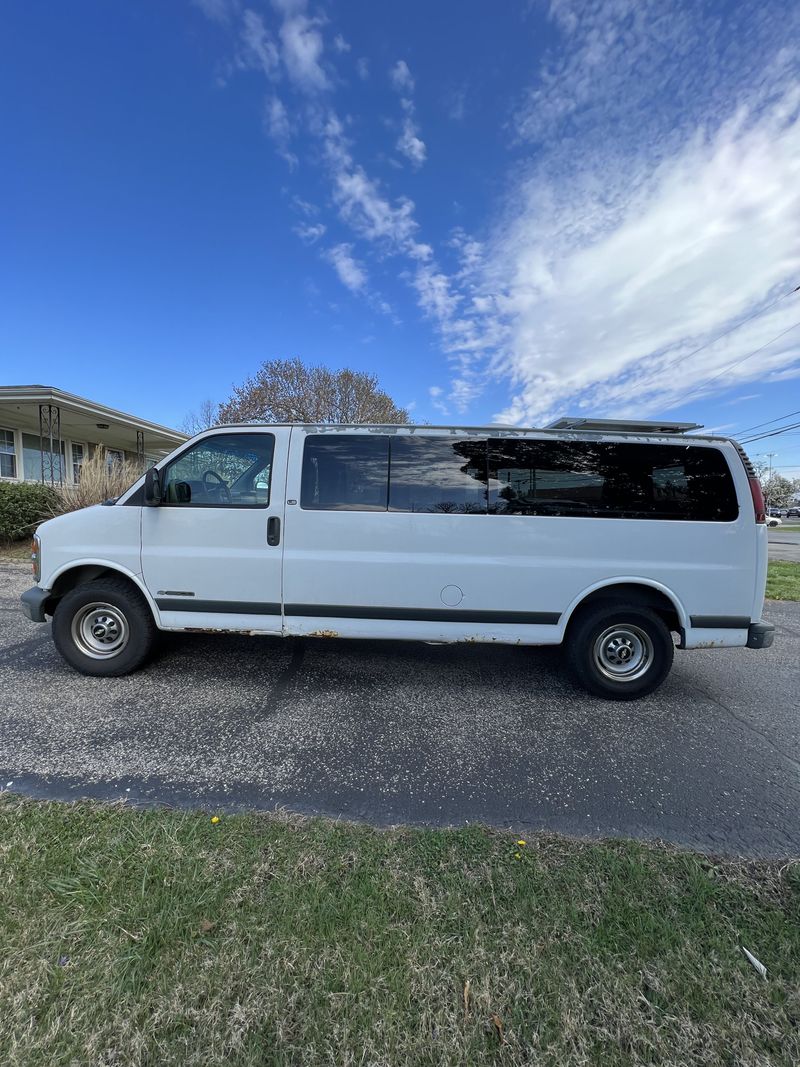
x=619 y=652
x=104 y=628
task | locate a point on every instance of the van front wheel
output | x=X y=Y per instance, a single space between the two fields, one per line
x=104 y=628
x=620 y=653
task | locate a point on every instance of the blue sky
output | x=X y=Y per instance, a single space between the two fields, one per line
x=507 y=211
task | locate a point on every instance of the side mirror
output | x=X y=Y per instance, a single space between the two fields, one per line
x=152 y=488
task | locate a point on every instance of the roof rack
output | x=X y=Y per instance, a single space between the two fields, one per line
x=623 y=425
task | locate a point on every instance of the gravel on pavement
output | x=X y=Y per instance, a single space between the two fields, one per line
x=411 y=733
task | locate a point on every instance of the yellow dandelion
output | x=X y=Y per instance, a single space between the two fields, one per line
x=215 y=819
x=517 y=855
x=522 y=842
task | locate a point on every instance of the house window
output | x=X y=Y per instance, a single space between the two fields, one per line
x=114 y=457
x=32 y=460
x=77 y=461
x=8 y=455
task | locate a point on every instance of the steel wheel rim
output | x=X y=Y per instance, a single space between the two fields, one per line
x=100 y=630
x=623 y=652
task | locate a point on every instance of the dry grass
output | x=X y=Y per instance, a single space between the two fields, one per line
x=99 y=481
x=143 y=938
x=15 y=551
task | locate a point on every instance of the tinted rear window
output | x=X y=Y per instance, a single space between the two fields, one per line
x=345 y=472
x=610 y=480
x=438 y=474
x=508 y=476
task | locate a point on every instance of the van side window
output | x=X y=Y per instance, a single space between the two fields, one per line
x=438 y=474
x=610 y=480
x=223 y=471
x=345 y=472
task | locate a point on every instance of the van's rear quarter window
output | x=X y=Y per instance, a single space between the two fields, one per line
x=607 y=479
x=517 y=476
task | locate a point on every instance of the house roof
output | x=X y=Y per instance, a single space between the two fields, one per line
x=48 y=394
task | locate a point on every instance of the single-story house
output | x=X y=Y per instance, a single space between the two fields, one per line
x=45 y=434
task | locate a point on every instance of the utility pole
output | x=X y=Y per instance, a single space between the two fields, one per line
x=770 y=457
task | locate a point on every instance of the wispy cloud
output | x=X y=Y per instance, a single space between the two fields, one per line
x=279 y=128
x=302 y=48
x=652 y=202
x=630 y=241
x=309 y=233
x=260 y=49
x=218 y=10
x=409 y=143
x=351 y=273
x=400 y=77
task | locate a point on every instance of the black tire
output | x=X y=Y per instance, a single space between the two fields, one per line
x=619 y=652
x=104 y=628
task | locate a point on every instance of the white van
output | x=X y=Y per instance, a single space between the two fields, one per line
x=608 y=537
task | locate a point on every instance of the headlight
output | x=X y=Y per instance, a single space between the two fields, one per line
x=36 y=558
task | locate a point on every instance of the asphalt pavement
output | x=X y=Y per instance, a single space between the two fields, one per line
x=406 y=733
x=784 y=544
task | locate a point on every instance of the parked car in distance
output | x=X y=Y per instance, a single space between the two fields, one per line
x=793 y=513
x=608 y=537
x=774 y=520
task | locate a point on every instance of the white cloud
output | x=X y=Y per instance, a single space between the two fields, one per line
x=301 y=49
x=400 y=77
x=309 y=233
x=217 y=10
x=305 y=207
x=259 y=46
x=602 y=319
x=633 y=237
x=340 y=44
x=362 y=68
x=455 y=103
x=358 y=197
x=279 y=128
x=351 y=273
x=410 y=144
x=435 y=296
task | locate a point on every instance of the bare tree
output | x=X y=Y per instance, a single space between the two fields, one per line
x=206 y=416
x=286 y=390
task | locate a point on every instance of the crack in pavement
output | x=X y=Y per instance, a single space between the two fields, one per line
x=754 y=729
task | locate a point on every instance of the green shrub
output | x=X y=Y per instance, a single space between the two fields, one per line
x=23 y=505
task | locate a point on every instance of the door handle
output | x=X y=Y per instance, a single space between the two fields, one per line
x=273 y=531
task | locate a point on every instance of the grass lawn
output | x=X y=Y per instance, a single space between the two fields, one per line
x=783 y=580
x=154 y=938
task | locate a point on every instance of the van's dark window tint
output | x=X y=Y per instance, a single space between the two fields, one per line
x=345 y=472
x=610 y=480
x=444 y=475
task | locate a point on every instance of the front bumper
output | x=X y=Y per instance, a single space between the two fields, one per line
x=33 y=602
x=760 y=634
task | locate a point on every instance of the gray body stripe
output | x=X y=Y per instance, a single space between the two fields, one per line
x=225 y=607
x=720 y=622
x=340 y=611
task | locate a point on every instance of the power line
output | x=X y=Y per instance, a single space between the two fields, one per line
x=730 y=366
x=772 y=433
x=725 y=333
x=767 y=422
